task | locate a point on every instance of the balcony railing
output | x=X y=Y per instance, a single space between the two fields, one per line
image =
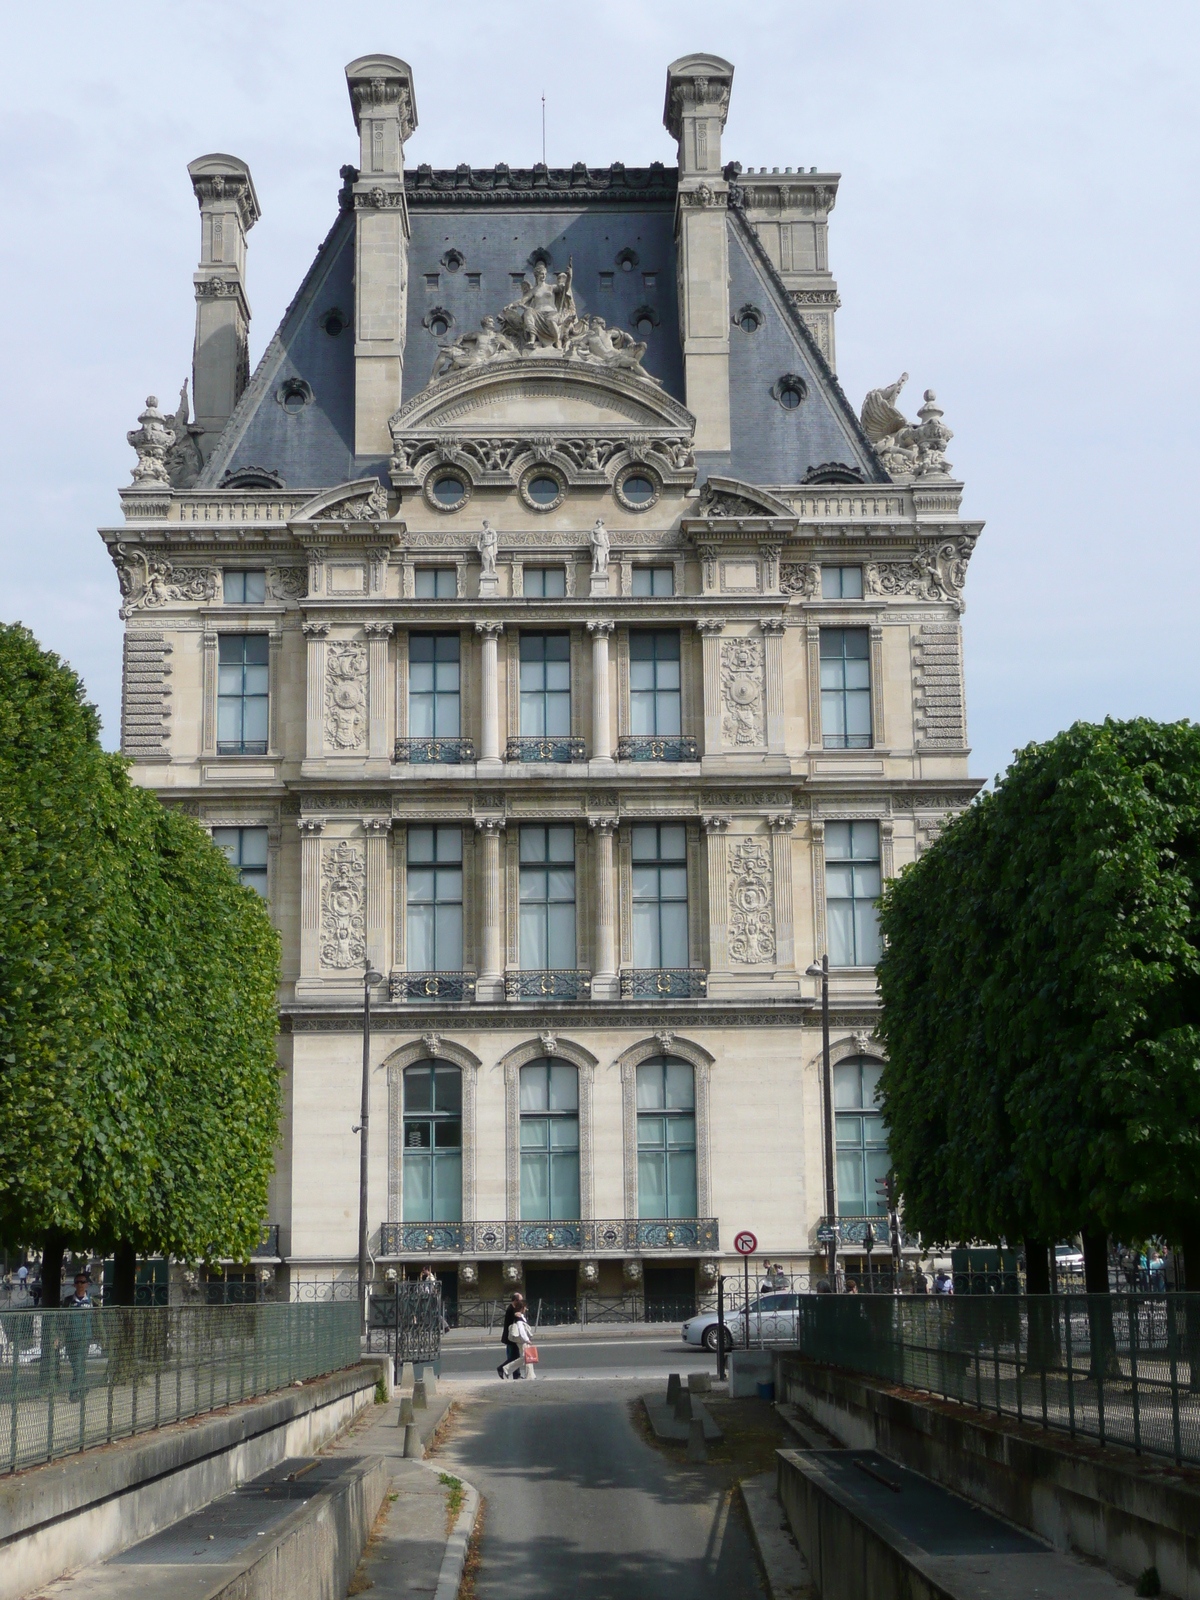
x=851 y=1232
x=645 y=747
x=527 y=749
x=422 y=751
x=433 y=986
x=560 y=984
x=663 y=983
x=585 y=1237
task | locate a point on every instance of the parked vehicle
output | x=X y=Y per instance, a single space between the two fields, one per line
x=773 y=1319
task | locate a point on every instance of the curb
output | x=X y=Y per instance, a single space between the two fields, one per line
x=455 y=1558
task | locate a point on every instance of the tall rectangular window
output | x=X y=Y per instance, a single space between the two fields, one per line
x=653 y=580
x=549 y=1142
x=432 y=1143
x=547 y=899
x=435 y=583
x=244 y=588
x=841 y=583
x=852 y=887
x=845 y=688
x=666 y=1136
x=247 y=851
x=546 y=685
x=545 y=583
x=435 y=900
x=654 y=677
x=242 y=694
x=434 y=686
x=660 y=930
x=861 y=1134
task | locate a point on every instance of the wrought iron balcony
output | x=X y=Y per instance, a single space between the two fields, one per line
x=268 y=1243
x=559 y=984
x=433 y=986
x=851 y=1232
x=645 y=747
x=579 y=1237
x=527 y=749
x=422 y=751
x=662 y=983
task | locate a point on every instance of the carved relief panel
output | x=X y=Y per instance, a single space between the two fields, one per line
x=751 y=937
x=343 y=905
x=345 y=696
x=743 y=721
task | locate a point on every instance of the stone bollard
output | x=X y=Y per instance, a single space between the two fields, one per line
x=406 y=1412
x=430 y=1381
x=407 y=1376
x=697 y=1449
x=414 y=1449
x=683 y=1406
x=699 y=1382
x=673 y=1387
x=419 y=1399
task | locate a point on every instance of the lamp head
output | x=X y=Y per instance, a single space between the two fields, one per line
x=370 y=975
x=815 y=971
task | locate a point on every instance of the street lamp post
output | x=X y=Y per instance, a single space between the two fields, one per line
x=370 y=978
x=820 y=969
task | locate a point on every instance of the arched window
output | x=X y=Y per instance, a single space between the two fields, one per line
x=549 y=1141
x=862 y=1152
x=432 y=1143
x=666 y=1137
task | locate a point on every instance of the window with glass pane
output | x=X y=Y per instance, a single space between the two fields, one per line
x=653 y=580
x=435 y=583
x=545 y=583
x=244 y=588
x=546 y=685
x=247 y=850
x=660 y=932
x=242 y=694
x=654 y=683
x=666 y=1134
x=852 y=887
x=433 y=686
x=432 y=1157
x=861 y=1135
x=435 y=900
x=845 y=689
x=841 y=583
x=549 y=1142
x=547 y=898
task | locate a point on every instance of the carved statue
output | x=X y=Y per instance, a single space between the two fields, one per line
x=880 y=419
x=592 y=340
x=600 y=547
x=151 y=441
x=545 y=312
x=160 y=582
x=486 y=543
x=903 y=449
x=472 y=350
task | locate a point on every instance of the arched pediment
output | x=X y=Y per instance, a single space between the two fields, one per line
x=729 y=497
x=361 y=500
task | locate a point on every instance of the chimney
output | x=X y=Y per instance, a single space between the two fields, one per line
x=697 y=104
x=385 y=114
x=221 y=357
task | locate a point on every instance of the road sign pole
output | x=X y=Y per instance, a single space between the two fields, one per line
x=746 y=1271
x=721 y=1329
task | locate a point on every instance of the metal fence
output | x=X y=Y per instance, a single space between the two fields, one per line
x=73 y=1379
x=1119 y=1369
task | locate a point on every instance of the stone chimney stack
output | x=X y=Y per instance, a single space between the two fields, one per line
x=221 y=357
x=694 y=114
x=385 y=114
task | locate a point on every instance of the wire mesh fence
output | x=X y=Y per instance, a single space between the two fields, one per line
x=1119 y=1369
x=77 y=1378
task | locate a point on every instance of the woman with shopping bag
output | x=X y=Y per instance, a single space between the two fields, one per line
x=521 y=1335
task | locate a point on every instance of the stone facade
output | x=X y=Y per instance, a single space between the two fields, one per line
x=711 y=619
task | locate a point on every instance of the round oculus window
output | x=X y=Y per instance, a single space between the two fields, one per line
x=645 y=327
x=749 y=323
x=333 y=324
x=789 y=397
x=438 y=327
x=637 y=490
x=295 y=400
x=449 y=492
x=543 y=490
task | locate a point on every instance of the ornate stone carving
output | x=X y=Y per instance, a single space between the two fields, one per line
x=742 y=693
x=487 y=542
x=151 y=440
x=905 y=450
x=600 y=547
x=802 y=578
x=346 y=694
x=287 y=583
x=931 y=575
x=343 y=895
x=432 y=1043
x=150 y=581
x=751 y=902
x=371 y=507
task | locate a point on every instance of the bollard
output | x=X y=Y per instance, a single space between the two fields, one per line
x=430 y=1381
x=413 y=1448
x=406 y=1411
x=407 y=1376
x=697 y=1449
x=699 y=1382
x=683 y=1406
x=673 y=1387
x=419 y=1399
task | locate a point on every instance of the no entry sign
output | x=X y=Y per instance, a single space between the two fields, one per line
x=745 y=1244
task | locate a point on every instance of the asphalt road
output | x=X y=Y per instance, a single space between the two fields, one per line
x=579 y=1357
x=578 y=1504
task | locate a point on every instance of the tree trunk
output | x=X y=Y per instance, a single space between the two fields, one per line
x=1037 y=1267
x=124 y=1284
x=1042 y=1346
x=53 y=1249
x=1099 y=1301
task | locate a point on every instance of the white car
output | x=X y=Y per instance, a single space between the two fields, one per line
x=773 y=1318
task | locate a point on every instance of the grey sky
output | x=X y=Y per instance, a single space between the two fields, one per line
x=1016 y=227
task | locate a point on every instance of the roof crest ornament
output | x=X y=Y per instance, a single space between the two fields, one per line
x=905 y=450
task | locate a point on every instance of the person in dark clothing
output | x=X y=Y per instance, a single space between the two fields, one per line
x=514 y=1310
x=79 y=1336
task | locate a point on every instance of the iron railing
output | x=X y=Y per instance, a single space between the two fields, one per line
x=851 y=1232
x=559 y=984
x=433 y=986
x=422 y=751
x=1116 y=1368
x=520 y=1238
x=406 y=1319
x=642 y=747
x=533 y=749
x=663 y=983
x=70 y=1380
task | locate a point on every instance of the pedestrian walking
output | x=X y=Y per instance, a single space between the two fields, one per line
x=79 y=1335
x=514 y=1309
x=521 y=1335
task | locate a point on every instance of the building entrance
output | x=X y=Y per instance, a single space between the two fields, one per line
x=550 y=1294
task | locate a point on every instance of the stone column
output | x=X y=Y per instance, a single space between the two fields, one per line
x=601 y=717
x=208 y=734
x=489 y=748
x=314 y=740
x=229 y=208
x=710 y=633
x=377 y=634
x=311 y=829
x=376 y=830
x=715 y=828
x=781 y=866
x=490 y=983
x=604 y=976
x=772 y=628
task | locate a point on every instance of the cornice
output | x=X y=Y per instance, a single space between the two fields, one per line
x=778 y=1012
x=540 y=185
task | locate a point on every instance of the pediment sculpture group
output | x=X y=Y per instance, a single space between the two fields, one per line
x=545 y=319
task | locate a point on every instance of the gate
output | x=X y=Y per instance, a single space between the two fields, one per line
x=407 y=1322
